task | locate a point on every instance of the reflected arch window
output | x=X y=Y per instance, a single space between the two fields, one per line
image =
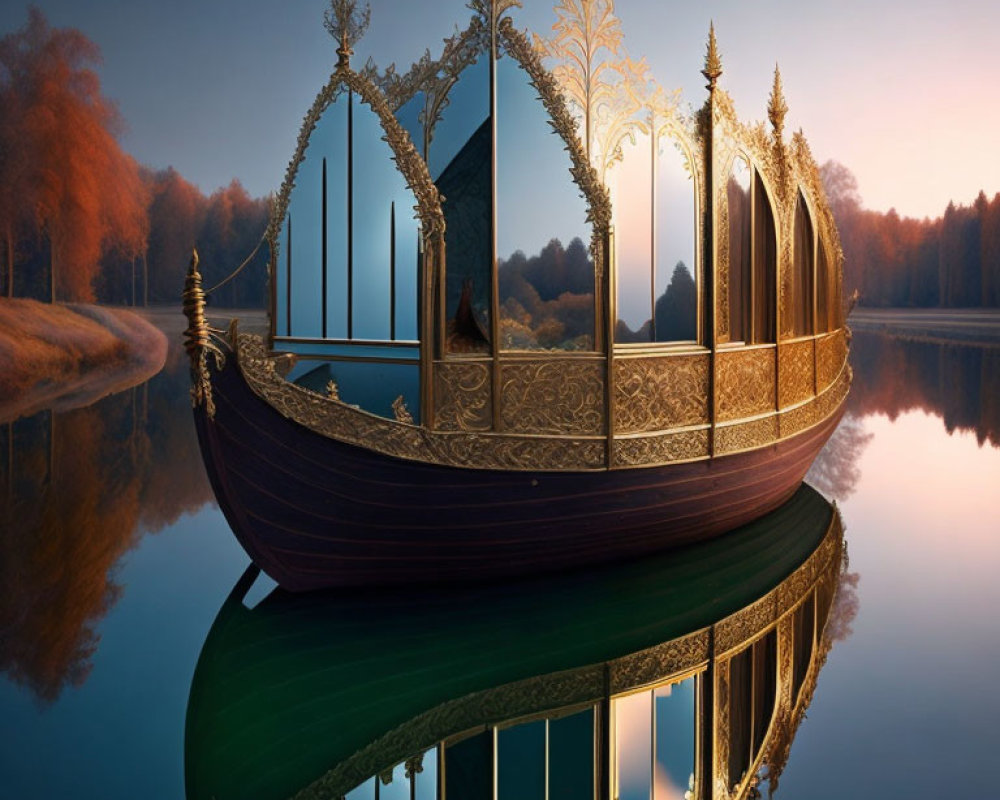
x=753 y=259
x=752 y=696
x=803 y=271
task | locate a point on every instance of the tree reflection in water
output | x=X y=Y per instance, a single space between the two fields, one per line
x=80 y=489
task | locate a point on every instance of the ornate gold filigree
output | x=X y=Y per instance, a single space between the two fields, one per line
x=401 y=412
x=746 y=435
x=352 y=425
x=199 y=340
x=332 y=391
x=745 y=382
x=552 y=396
x=656 y=663
x=739 y=629
x=795 y=372
x=658 y=393
x=831 y=355
x=463 y=395
x=408 y=161
x=644 y=451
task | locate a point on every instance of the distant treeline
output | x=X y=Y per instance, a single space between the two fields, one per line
x=80 y=219
x=949 y=262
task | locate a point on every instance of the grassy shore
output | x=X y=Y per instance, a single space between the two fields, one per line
x=64 y=356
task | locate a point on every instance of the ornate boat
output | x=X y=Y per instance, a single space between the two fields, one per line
x=689 y=672
x=431 y=403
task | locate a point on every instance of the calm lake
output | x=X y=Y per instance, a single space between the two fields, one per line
x=115 y=562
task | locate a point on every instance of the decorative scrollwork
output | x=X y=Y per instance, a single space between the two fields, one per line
x=795 y=372
x=664 y=448
x=746 y=435
x=553 y=396
x=655 y=394
x=649 y=666
x=462 y=392
x=745 y=382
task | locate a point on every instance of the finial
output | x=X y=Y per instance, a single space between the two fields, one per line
x=346 y=24
x=713 y=64
x=776 y=106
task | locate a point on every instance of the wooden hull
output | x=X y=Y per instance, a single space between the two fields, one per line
x=314 y=512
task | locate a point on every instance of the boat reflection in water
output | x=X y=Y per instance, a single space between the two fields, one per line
x=682 y=676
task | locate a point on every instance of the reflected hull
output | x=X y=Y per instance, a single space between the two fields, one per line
x=315 y=512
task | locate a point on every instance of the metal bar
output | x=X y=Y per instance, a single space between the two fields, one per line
x=350 y=215
x=392 y=271
x=652 y=229
x=288 y=281
x=494 y=277
x=324 y=246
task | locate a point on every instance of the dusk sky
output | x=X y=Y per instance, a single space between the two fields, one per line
x=900 y=92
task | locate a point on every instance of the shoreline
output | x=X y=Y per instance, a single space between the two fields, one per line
x=66 y=356
x=962 y=326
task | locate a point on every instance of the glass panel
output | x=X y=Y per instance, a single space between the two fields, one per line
x=823 y=291
x=521 y=762
x=633 y=242
x=804 y=627
x=366 y=791
x=676 y=310
x=738 y=199
x=330 y=139
x=468 y=768
x=571 y=757
x=461 y=163
x=398 y=788
x=740 y=678
x=306 y=222
x=802 y=271
x=633 y=746
x=369 y=385
x=280 y=278
x=408 y=116
x=382 y=214
x=546 y=273
x=765 y=665
x=426 y=780
x=765 y=266
x=674 y=707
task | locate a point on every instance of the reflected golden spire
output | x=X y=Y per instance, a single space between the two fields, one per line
x=713 y=63
x=776 y=106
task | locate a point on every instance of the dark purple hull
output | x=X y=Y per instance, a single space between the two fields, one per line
x=314 y=512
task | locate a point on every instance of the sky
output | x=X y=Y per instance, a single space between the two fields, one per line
x=899 y=92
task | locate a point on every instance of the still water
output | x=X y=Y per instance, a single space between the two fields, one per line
x=115 y=563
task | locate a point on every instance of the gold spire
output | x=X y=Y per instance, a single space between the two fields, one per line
x=713 y=64
x=776 y=106
x=344 y=52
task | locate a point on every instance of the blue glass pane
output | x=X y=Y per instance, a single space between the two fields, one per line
x=546 y=273
x=521 y=762
x=571 y=757
x=467 y=108
x=369 y=385
x=330 y=137
x=468 y=768
x=398 y=788
x=280 y=279
x=426 y=781
x=366 y=791
x=675 y=739
x=408 y=116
